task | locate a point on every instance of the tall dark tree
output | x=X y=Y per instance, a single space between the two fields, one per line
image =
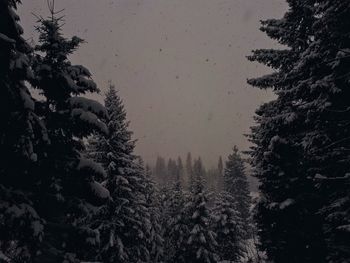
x=220 y=175
x=229 y=228
x=125 y=222
x=236 y=183
x=289 y=222
x=189 y=170
x=322 y=90
x=21 y=228
x=160 y=171
x=153 y=201
x=198 y=174
x=175 y=226
x=171 y=171
x=180 y=171
x=66 y=181
x=200 y=245
x=212 y=177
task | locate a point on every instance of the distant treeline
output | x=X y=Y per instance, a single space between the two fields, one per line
x=165 y=172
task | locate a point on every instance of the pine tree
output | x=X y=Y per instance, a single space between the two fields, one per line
x=220 y=175
x=322 y=88
x=175 y=227
x=200 y=245
x=160 y=171
x=198 y=176
x=125 y=222
x=155 y=239
x=21 y=227
x=189 y=170
x=212 y=177
x=180 y=171
x=171 y=171
x=236 y=184
x=229 y=228
x=67 y=189
x=284 y=226
x=17 y=105
x=290 y=227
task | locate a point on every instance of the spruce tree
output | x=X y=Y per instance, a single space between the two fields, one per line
x=220 y=175
x=171 y=171
x=289 y=222
x=66 y=181
x=21 y=131
x=236 y=183
x=180 y=171
x=198 y=176
x=200 y=245
x=175 y=227
x=160 y=171
x=189 y=171
x=212 y=177
x=229 y=228
x=17 y=105
x=155 y=238
x=322 y=90
x=124 y=222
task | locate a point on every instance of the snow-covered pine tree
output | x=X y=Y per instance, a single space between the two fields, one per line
x=229 y=228
x=160 y=171
x=283 y=226
x=322 y=88
x=175 y=229
x=124 y=222
x=212 y=177
x=67 y=189
x=289 y=224
x=180 y=171
x=198 y=176
x=155 y=239
x=171 y=172
x=252 y=248
x=200 y=245
x=21 y=228
x=236 y=183
x=151 y=217
x=220 y=175
x=189 y=171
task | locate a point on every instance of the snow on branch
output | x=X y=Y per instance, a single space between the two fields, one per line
x=92 y=167
x=88 y=105
x=99 y=191
x=6 y=40
x=320 y=177
x=89 y=119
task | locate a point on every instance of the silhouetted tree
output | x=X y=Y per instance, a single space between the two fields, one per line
x=189 y=170
x=236 y=183
x=66 y=179
x=125 y=221
x=21 y=131
x=200 y=245
x=289 y=222
x=160 y=171
x=322 y=91
x=229 y=228
x=220 y=175
x=180 y=171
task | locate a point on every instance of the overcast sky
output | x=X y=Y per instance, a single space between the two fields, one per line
x=179 y=65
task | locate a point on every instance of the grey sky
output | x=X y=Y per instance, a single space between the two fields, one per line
x=180 y=66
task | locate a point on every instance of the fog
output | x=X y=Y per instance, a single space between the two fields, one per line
x=179 y=65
